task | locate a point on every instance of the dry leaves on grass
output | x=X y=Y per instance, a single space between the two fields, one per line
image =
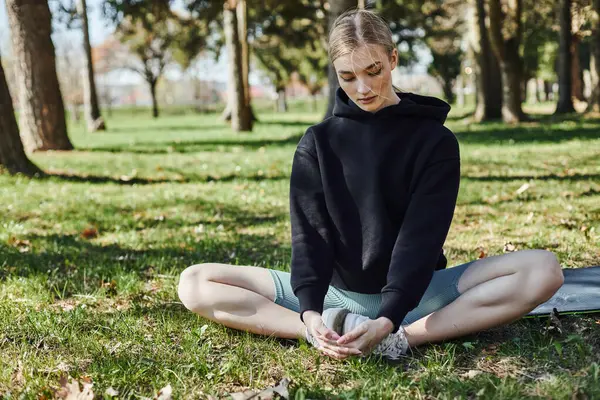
x=509 y=247
x=482 y=253
x=75 y=390
x=472 y=373
x=24 y=246
x=269 y=393
x=89 y=233
x=17 y=377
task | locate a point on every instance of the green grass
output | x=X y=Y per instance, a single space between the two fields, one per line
x=184 y=189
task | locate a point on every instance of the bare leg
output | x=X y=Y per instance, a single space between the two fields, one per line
x=238 y=297
x=495 y=291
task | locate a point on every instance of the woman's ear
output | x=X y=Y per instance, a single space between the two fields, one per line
x=394 y=59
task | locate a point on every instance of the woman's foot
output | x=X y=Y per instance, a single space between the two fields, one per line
x=343 y=321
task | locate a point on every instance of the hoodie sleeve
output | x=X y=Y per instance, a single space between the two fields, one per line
x=312 y=255
x=423 y=232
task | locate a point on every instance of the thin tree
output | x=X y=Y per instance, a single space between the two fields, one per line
x=336 y=8
x=240 y=114
x=594 y=102
x=242 y=18
x=94 y=119
x=505 y=32
x=487 y=71
x=42 y=116
x=12 y=154
x=151 y=42
x=565 y=101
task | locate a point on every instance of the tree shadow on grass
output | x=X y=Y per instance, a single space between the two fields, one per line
x=286 y=123
x=549 y=177
x=73 y=264
x=185 y=178
x=194 y=146
x=524 y=134
x=149 y=128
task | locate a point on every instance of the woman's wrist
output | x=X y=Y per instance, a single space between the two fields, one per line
x=308 y=315
x=386 y=324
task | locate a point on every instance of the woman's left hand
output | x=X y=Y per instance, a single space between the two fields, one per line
x=366 y=336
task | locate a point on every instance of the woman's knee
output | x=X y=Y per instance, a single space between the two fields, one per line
x=545 y=276
x=193 y=287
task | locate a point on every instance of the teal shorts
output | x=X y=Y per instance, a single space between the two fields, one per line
x=442 y=291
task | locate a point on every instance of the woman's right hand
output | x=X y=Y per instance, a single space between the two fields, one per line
x=327 y=338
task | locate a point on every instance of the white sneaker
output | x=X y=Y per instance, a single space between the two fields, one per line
x=343 y=321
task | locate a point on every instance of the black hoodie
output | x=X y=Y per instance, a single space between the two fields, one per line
x=371 y=200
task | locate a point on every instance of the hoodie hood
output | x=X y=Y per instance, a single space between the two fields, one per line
x=410 y=105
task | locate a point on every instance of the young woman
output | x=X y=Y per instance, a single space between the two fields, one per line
x=373 y=191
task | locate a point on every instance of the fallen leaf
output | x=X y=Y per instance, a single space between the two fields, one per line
x=164 y=393
x=89 y=233
x=23 y=246
x=471 y=373
x=509 y=247
x=72 y=390
x=266 y=394
x=482 y=253
x=17 y=377
x=522 y=189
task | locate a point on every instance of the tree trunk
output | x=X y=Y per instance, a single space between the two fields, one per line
x=281 y=100
x=42 y=116
x=12 y=154
x=539 y=90
x=594 y=101
x=90 y=97
x=152 y=84
x=240 y=115
x=507 y=52
x=449 y=93
x=576 y=71
x=489 y=82
x=565 y=102
x=336 y=7
x=242 y=17
x=549 y=93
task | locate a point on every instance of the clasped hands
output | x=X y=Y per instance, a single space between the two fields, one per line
x=360 y=341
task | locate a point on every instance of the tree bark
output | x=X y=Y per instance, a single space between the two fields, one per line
x=336 y=7
x=576 y=71
x=242 y=17
x=152 y=85
x=90 y=97
x=506 y=49
x=449 y=93
x=489 y=82
x=12 y=154
x=240 y=115
x=42 y=116
x=281 y=100
x=594 y=102
x=565 y=101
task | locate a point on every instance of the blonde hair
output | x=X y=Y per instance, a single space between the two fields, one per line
x=356 y=27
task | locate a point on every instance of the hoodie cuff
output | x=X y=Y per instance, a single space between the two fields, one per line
x=393 y=307
x=311 y=299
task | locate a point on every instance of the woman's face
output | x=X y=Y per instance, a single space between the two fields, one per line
x=366 y=76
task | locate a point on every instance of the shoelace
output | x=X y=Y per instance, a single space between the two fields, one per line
x=394 y=346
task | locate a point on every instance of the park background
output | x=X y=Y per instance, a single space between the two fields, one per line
x=138 y=137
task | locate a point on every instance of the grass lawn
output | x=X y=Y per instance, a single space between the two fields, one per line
x=91 y=256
